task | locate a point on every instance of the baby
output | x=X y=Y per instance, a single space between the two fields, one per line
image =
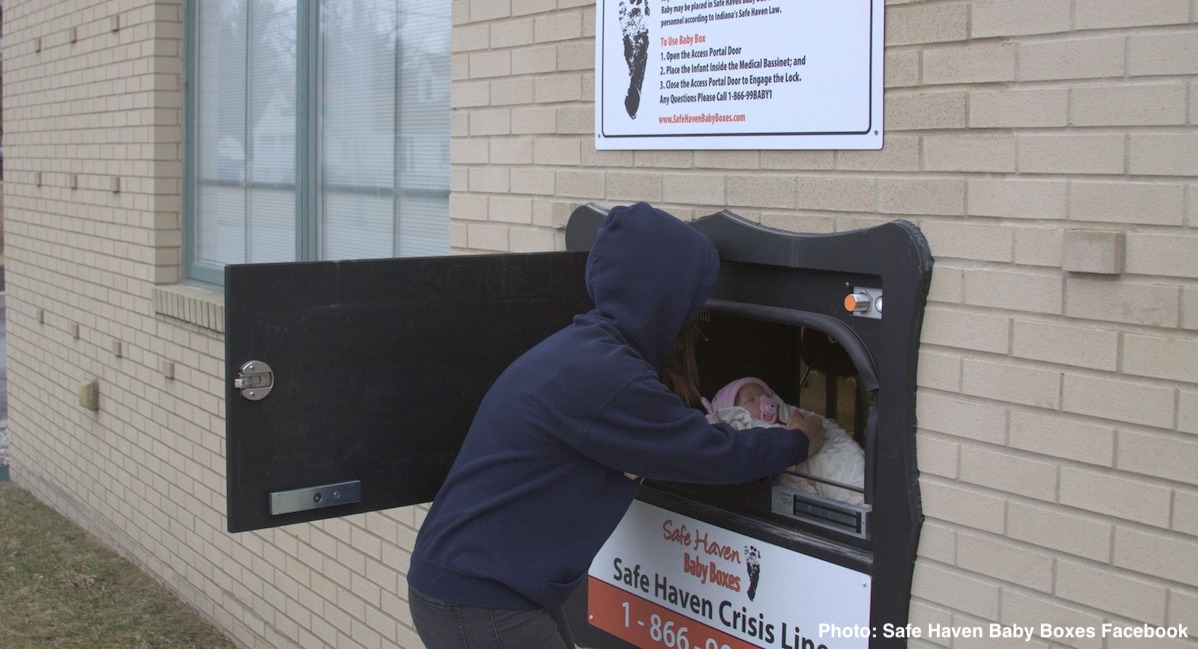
x=749 y=402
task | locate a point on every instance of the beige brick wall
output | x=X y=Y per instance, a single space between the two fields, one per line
x=1058 y=409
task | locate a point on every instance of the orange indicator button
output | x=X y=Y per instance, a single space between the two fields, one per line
x=857 y=302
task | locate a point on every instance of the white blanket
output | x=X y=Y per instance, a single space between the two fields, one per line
x=840 y=460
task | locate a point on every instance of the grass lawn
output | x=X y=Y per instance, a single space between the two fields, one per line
x=61 y=589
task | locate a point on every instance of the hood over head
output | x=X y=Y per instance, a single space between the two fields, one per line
x=650 y=274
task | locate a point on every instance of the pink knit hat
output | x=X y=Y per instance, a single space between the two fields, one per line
x=726 y=397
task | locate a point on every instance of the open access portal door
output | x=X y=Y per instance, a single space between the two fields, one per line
x=351 y=384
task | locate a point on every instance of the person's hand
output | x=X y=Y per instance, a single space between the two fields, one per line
x=811 y=426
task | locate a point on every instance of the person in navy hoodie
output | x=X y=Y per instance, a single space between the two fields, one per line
x=560 y=442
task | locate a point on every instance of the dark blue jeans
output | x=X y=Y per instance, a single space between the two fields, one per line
x=442 y=625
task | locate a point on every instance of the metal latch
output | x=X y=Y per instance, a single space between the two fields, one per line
x=254 y=379
x=329 y=495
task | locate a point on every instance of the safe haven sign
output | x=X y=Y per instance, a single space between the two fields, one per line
x=666 y=580
x=739 y=74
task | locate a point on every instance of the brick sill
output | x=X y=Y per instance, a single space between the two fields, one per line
x=202 y=307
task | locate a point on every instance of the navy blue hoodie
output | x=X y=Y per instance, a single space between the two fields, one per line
x=540 y=482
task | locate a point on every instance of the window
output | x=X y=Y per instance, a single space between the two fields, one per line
x=316 y=130
x=807 y=368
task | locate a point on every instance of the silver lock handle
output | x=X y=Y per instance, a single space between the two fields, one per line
x=255 y=380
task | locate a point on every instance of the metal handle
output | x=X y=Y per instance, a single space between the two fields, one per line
x=255 y=380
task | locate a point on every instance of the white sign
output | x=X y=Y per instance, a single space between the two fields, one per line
x=739 y=74
x=666 y=580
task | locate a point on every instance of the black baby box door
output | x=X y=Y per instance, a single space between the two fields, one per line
x=351 y=384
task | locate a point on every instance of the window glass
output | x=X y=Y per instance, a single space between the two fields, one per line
x=316 y=130
x=384 y=128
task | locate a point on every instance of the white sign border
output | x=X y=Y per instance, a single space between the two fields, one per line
x=870 y=138
x=797 y=594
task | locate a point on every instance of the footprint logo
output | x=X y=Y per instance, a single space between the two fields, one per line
x=634 y=25
x=753 y=563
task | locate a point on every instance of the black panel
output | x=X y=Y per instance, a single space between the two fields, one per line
x=379 y=366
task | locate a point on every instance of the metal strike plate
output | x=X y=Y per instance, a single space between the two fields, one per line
x=330 y=495
x=255 y=380
x=824 y=512
x=868 y=302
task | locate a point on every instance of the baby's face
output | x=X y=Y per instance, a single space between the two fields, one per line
x=749 y=398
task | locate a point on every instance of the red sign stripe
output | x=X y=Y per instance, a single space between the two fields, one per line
x=648 y=625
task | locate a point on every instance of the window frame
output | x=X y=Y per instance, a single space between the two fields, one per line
x=309 y=84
